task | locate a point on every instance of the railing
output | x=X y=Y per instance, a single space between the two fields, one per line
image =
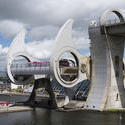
x=96 y=23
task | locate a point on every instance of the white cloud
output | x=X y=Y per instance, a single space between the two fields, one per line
x=44 y=49
x=43 y=32
x=44 y=17
x=9 y=28
x=82 y=43
x=3 y=53
x=80 y=38
x=3 y=50
x=40 y=49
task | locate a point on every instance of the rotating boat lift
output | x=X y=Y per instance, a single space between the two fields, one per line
x=105 y=67
x=50 y=68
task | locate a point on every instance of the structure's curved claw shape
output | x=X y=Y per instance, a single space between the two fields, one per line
x=17 y=48
x=64 y=36
x=63 y=43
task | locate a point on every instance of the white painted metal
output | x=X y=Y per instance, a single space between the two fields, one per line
x=63 y=43
x=17 y=48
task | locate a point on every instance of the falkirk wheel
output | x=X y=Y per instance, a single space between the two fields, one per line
x=104 y=68
x=67 y=73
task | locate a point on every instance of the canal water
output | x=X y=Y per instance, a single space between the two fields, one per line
x=41 y=116
x=51 y=117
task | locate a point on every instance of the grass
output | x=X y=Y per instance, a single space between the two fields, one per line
x=115 y=110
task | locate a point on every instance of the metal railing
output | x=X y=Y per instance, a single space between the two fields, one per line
x=96 y=23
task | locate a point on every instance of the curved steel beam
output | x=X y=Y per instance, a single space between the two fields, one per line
x=63 y=43
x=17 y=48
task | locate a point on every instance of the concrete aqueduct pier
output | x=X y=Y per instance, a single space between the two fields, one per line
x=106 y=65
x=107 y=48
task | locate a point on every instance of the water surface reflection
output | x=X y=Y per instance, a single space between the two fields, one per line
x=52 y=117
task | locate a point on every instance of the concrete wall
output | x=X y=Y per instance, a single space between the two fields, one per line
x=107 y=90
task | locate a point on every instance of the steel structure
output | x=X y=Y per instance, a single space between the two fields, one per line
x=22 y=74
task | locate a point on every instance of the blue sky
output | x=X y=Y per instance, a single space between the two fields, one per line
x=5 y=41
